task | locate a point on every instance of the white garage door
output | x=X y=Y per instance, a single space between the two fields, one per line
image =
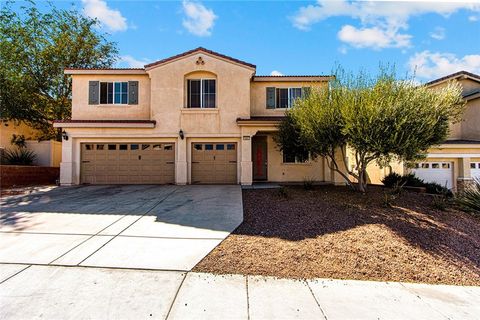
x=439 y=172
x=475 y=169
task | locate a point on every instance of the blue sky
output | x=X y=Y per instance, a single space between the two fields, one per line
x=299 y=37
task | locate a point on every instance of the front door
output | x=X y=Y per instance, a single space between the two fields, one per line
x=259 y=158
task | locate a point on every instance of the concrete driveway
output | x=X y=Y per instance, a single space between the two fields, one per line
x=141 y=227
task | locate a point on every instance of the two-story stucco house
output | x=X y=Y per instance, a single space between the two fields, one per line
x=456 y=162
x=197 y=117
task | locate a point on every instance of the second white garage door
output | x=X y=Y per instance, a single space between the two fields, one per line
x=127 y=163
x=214 y=163
x=439 y=172
x=475 y=170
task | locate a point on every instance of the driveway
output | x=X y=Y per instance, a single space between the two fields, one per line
x=141 y=227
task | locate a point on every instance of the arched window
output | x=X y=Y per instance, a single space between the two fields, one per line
x=201 y=90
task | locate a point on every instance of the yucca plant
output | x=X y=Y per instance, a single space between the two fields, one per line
x=469 y=199
x=20 y=156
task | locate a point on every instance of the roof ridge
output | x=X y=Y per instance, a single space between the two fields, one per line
x=453 y=75
x=186 y=53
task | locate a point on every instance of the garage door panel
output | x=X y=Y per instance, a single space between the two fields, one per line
x=128 y=163
x=214 y=163
x=438 y=172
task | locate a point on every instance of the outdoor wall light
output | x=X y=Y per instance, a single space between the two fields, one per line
x=64 y=135
x=180 y=133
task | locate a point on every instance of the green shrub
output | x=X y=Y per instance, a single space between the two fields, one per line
x=308 y=183
x=435 y=188
x=396 y=181
x=19 y=157
x=412 y=180
x=283 y=192
x=469 y=199
x=392 y=179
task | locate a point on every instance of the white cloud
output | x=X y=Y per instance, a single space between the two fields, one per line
x=110 y=18
x=385 y=19
x=473 y=18
x=438 y=33
x=430 y=65
x=375 y=37
x=131 y=62
x=199 y=20
x=276 y=73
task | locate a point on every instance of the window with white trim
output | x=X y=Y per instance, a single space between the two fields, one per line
x=285 y=97
x=113 y=92
x=201 y=93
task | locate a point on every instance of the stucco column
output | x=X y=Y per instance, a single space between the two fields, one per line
x=464 y=175
x=67 y=166
x=181 y=168
x=246 y=166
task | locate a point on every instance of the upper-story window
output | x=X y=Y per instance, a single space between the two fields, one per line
x=121 y=92
x=286 y=97
x=283 y=98
x=201 y=93
x=113 y=92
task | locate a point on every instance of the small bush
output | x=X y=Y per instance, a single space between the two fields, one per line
x=283 y=192
x=435 y=188
x=392 y=179
x=19 y=157
x=308 y=183
x=412 y=180
x=396 y=181
x=469 y=199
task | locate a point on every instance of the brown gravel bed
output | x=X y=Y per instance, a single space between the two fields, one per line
x=331 y=232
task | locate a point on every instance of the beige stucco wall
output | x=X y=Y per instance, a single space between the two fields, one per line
x=8 y=128
x=168 y=93
x=81 y=110
x=49 y=153
x=258 y=98
x=277 y=171
x=469 y=127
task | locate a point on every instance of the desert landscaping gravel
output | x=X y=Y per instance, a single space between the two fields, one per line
x=332 y=232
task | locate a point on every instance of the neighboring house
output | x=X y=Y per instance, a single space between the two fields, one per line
x=49 y=153
x=197 y=117
x=456 y=161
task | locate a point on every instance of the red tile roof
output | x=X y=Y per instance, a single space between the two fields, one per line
x=261 y=118
x=104 y=69
x=199 y=49
x=105 y=121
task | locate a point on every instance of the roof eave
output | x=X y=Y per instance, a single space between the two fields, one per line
x=105 y=71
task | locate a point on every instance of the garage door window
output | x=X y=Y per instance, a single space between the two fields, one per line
x=220 y=147
x=197 y=147
x=157 y=147
x=123 y=147
x=145 y=146
x=134 y=147
x=100 y=147
x=230 y=146
x=209 y=147
x=89 y=146
x=112 y=147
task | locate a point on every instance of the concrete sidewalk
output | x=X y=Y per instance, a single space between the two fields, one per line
x=58 y=292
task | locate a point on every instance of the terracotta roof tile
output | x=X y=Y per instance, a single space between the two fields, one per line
x=105 y=121
x=199 y=49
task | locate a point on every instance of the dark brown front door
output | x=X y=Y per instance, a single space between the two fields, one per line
x=259 y=158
